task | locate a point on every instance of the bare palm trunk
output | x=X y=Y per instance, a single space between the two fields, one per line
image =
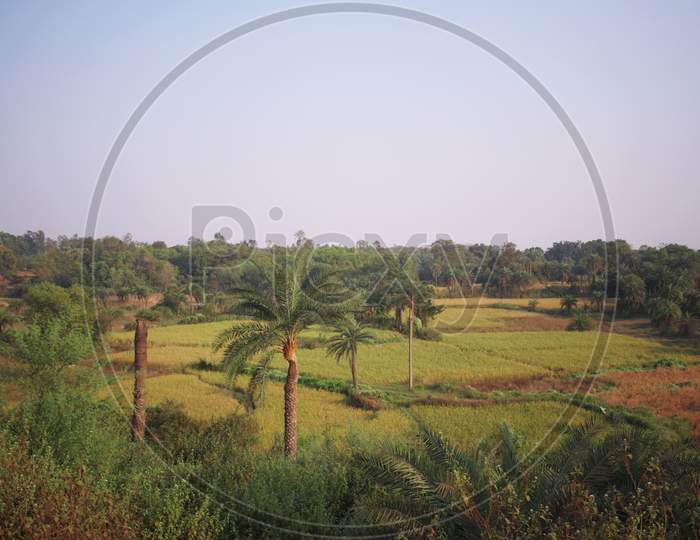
x=353 y=368
x=138 y=420
x=290 y=402
x=410 y=341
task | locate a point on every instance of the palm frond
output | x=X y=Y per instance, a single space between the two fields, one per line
x=242 y=342
x=256 y=386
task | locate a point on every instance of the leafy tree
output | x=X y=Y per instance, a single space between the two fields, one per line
x=51 y=346
x=8 y=261
x=173 y=298
x=532 y=304
x=47 y=301
x=632 y=294
x=343 y=345
x=297 y=296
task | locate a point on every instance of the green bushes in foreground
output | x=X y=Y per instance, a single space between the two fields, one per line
x=68 y=469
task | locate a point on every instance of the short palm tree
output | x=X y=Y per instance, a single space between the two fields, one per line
x=343 y=345
x=568 y=303
x=442 y=491
x=296 y=297
x=664 y=313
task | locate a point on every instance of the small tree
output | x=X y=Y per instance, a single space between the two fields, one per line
x=568 y=303
x=597 y=299
x=532 y=304
x=7 y=320
x=581 y=322
x=343 y=345
x=51 y=346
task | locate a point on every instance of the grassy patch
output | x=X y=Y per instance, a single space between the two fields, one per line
x=568 y=352
x=466 y=426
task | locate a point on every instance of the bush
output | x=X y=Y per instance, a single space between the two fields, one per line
x=194 y=319
x=581 y=321
x=311 y=342
x=38 y=498
x=365 y=402
x=429 y=334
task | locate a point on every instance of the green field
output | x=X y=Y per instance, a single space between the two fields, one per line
x=477 y=347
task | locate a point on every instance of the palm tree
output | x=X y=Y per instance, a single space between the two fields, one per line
x=296 y=297
x=343 y=345
x=568 y=303
x=598 y=298
x=442 y=491
x=405 y=286
x=664 y=313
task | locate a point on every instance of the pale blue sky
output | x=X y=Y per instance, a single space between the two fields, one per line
x=354 y=123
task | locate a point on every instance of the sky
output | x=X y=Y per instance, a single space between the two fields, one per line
x=352 y=124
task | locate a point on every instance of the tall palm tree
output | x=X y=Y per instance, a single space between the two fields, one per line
x=296 y=297
x=401 y=273
x=343 y=345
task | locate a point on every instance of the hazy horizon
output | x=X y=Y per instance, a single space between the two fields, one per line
x=354 y=124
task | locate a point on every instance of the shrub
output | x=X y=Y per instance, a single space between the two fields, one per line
x=193 y=319
x=581 y=321
x=363 y=401
x=311 y=342
x=429 y=334
x=38 y=498
x=532 y=304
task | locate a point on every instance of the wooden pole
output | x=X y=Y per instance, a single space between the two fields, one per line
x=410 y=340
x=138 y=420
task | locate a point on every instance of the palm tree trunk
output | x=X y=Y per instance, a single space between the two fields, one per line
x=290 y=403
x=410 y=341
x=138 y=420
x=353 y=368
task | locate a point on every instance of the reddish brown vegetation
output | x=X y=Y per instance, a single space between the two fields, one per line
x=538 y=383
x=38 y=502
x=665 y=391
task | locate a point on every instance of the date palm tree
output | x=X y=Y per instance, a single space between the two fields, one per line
x=296 y=297
x=343 y=345
x=568 y=303
x=401 y=273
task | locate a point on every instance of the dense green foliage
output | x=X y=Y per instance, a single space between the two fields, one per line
x=662 y=282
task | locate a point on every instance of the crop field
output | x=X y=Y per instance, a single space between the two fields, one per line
x=466 y=426
x=497 y=345
x=568 y=352
x=484 y=302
